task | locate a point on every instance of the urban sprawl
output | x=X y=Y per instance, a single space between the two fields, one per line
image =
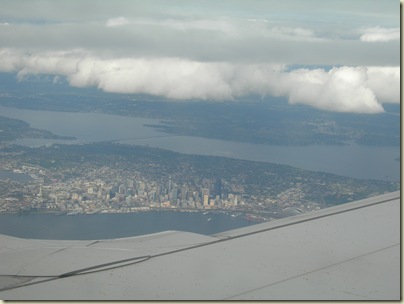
x=119 y=185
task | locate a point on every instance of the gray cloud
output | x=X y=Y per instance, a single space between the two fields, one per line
x=212 y=50
x=223 y=39
x=351 y=12
x=287 y=32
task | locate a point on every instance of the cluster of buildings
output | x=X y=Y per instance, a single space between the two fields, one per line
x=113 y=184
x=117 y=192
x=81 y=196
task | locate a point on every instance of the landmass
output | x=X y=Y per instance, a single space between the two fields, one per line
x=12 y=129
x=108 y=177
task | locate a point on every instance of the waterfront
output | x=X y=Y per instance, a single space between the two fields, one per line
x=118 y=225
x=358 y=161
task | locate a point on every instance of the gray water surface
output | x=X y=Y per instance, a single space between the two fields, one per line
x=359 y=161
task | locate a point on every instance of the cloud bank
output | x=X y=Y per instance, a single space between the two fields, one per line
x=210 y=50
x=342 y=89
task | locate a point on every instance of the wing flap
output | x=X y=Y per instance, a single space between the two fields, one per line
x=347 y=252
x=40 y=258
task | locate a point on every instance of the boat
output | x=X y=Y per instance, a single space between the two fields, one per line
x=255 y=218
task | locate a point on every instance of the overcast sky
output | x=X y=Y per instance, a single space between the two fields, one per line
x=212 y=50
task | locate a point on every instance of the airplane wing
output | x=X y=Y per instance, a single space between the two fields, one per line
x=347 y=252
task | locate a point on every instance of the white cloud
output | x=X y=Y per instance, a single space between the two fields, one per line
x=257 y=20
x=343 y=89
x=169 y=77
x=379 y=34
x=117 y=21
x=385 y=83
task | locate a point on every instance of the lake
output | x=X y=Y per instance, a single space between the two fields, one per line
x=367 y=162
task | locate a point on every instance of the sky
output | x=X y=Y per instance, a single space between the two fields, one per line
x=332 y=55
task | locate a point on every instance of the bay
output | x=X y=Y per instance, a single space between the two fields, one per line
x=118 y=225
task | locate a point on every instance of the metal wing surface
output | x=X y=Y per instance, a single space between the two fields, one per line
x=347 y=252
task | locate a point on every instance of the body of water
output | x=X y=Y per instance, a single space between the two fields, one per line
x=108 y=226
x=18 y=177
x=367 y=162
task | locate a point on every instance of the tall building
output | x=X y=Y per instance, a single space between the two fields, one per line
x=170 y=185
x=152 y=196
x=205 y=196
x=218 y=188
x=173 y=195
x=184 y=192
x=114 y=189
